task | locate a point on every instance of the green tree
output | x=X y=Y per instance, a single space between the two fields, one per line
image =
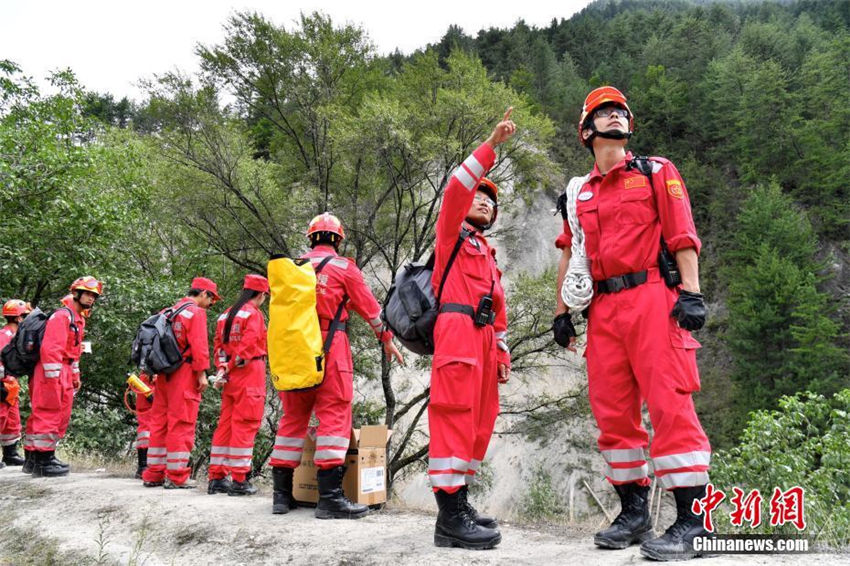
x=781 y=333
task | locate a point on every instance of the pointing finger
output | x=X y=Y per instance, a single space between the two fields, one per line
x=508 y=114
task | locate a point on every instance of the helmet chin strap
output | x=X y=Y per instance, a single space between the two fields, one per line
x=609 y=135
x=614 y=135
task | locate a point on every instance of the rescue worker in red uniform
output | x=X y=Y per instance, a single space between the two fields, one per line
x=239 y=352
x=339 y=280
x=470 y=347
x=177 y=395
x=143 y=430
x=56 y=378
x=14 y=312
x=639 y=345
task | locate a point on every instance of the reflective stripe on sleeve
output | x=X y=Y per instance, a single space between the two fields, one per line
x=465 y=178
x=474 y=166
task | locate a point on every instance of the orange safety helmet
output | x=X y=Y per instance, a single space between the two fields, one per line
x=326 y=222
x=87 y=283
x=15 y=307
x=597 y=98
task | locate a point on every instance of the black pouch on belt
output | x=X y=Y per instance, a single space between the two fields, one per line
x=484 y=312
x=668 y=267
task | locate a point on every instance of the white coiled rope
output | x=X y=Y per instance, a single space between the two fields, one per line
x=577 y=288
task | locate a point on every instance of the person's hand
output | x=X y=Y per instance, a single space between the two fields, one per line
x=504 y=373
x=219 y=382
x=564 y=332
x=202 y=381
x=391 y=352
x=77 y=384
x=689 y=310
x=503 y=130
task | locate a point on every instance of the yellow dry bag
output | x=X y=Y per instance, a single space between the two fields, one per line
x=296 y=357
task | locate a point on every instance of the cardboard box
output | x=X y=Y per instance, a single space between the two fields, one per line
x=365 y=478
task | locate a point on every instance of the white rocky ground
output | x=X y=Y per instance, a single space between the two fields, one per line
x=98 y=518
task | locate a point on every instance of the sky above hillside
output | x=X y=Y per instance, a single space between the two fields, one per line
x=111 y=45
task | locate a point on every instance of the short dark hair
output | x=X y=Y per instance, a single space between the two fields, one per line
x=329 y=238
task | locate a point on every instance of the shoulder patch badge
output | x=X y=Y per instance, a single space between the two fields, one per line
x=674 y=188
x=587 y=195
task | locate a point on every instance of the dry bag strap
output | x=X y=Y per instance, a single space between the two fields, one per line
x=318 y=269
x=464 y=234
x=334 y=325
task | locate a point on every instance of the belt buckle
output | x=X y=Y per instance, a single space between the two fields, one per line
x=616 y=284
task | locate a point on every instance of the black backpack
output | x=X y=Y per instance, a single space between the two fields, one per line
x=155 y=349
x=22 y=353
x=410 y=309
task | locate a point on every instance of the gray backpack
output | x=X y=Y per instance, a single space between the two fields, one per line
x=410 y=309
x=155 y=349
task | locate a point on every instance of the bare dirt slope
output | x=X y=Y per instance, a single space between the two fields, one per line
x=92 y=518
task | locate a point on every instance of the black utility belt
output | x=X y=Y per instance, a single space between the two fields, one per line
x=621 y=282
x=481 y=317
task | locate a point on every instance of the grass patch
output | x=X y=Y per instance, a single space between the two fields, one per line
x=22 y=547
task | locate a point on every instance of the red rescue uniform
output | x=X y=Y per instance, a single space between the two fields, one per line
x=464 y=400
x=331 y=400
x=10 y=415
x=176 y=400
x=243 y=397
x=635 y=350
x=54 y=377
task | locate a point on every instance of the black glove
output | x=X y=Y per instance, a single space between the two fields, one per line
x=563 y=329
x=689 y=310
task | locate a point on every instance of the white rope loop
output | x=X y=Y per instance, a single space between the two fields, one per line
x=577 y=288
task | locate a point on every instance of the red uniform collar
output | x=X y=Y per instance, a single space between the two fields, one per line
x=596 y=174
x=324 y=249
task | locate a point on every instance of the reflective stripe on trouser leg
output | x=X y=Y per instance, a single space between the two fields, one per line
x=686 y=469
x=143 y=439
x=626 y=465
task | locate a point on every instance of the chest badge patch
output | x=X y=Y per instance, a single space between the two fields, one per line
x=585 y=196
x=634 y=182
x=674 y=188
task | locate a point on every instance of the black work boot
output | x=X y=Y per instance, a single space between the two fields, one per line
x=483 y=520
x=633 y=524
x=220 y=485
x=333 y=504
x=241 y=488
x=282 y=500
x=456 y=528
x=29 y=460
x=677 y=542
x=11 y=456
x=46 y=465
x=142 y=454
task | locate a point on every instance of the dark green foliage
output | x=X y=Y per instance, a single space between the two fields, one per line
x=803 y=443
